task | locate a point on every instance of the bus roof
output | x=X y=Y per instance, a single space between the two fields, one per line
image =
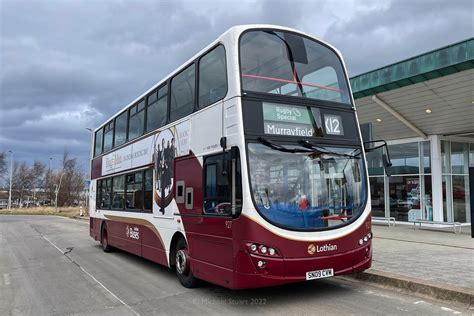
x=232 y=33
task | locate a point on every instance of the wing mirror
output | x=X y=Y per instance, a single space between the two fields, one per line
x=377 y=144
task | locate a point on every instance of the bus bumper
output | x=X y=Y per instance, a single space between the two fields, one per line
x=278 y=271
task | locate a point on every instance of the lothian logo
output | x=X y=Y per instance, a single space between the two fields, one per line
x=312 y=249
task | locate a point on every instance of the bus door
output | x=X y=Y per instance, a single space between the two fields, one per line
x=210 y=199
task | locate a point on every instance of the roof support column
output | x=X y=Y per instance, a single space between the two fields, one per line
x=398 y=116
x=436 y=178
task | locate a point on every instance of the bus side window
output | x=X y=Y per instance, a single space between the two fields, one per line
x=222 y=185
x=98 y=194
x=212 y=77
x=182 y=93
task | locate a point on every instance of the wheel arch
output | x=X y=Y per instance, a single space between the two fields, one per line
x=102 y=225
x=174 y=242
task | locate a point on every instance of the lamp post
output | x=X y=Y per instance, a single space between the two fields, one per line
x=49 y=181
x=90 y=168
x=92 y=149
x=11 y=177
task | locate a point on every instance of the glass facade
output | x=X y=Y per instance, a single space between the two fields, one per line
x=400 y=195
x=407 y=194
x=377 y=193
x=456 y=159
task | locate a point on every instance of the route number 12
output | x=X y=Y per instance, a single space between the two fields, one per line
x=333 y=125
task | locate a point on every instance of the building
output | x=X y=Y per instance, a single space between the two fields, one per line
x=424 y=107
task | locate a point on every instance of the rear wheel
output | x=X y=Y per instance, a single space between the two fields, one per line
x=104 y=240
x=183 y=269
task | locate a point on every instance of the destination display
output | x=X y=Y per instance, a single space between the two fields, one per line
x=287 y=120
x=299 y=121
x=333 y=124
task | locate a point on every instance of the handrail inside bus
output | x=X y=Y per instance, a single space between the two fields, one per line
x=291 y=81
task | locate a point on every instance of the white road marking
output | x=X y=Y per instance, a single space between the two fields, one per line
x=447 y=309
x=93 y=278
x=76 y=220
x=418 y=302
x=53 y=244
x=109 y=291
x=377 y=294
x=6 y=278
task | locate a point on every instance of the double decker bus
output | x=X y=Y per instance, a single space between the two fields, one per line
x=245 y=167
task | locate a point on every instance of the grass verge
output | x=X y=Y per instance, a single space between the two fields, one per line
x=48 y=210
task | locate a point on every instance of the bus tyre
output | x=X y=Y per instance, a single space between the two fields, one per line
x=104 y=240
x=183 y=269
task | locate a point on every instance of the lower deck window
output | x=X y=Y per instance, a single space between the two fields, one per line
x=134 y=200
x=129 y=192
x=148 y=191
x=118 y=192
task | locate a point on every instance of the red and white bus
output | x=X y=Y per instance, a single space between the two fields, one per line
x=245 y=167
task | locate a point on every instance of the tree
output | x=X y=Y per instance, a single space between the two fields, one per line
x=49 y=184
x=26 y=180
x=3 y=165
x=70 y=182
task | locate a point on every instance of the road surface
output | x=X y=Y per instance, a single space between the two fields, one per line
x=50 y=266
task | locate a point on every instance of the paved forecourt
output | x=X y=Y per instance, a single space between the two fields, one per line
x=50 y=266
x=437 y=256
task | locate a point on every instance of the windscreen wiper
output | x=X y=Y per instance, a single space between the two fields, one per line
x=280 y=147
x=323 y=150
x=292 y=61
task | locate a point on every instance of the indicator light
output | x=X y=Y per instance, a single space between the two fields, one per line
x=366 y=239
x=253 y=247
x=261 y=263
x=263 y=249
x=271 y=251
x=361 y=241
x=369 y=235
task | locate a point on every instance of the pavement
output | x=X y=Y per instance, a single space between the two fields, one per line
x=437 y=264
x=50 y=266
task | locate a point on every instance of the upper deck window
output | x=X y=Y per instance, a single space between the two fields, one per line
x=212 y=77
x=120 y=129
x=182 y=93
x=108 y=136
x=157 y=109
x=136 y=124
x=98 y=141
x=292 y=65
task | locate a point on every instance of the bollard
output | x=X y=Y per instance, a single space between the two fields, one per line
x=81 y=213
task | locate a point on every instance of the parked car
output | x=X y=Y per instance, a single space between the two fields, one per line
x=3 y=203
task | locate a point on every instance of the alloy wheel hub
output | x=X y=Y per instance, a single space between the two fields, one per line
x=181 y=261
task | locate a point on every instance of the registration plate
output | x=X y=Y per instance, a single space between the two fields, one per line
x=319 y=274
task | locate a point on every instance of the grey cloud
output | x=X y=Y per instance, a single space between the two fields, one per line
x=381 y=35
x=65 y=66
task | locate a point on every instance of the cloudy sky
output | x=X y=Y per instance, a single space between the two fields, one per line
x=69 y=65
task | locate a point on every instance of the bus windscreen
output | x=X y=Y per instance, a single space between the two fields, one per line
x=287 y=64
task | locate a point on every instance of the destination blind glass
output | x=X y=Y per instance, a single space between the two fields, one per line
x=267 y=118
x=288 y=120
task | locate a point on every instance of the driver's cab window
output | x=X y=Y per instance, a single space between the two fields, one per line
x=222 y=184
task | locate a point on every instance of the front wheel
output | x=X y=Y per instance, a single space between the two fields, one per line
x=183 y=269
